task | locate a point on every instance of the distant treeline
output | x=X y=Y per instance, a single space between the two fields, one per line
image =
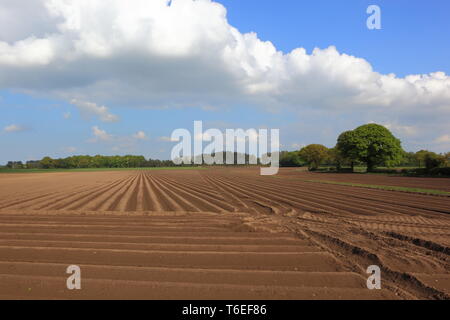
x=128 y=161
x=322 y=156
x=98 y=161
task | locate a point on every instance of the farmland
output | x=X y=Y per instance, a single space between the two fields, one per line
x=222 y=233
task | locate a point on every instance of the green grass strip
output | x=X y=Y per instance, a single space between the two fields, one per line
x=388 y=188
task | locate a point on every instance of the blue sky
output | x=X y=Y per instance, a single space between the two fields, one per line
x=412 y=39
x=122 y=89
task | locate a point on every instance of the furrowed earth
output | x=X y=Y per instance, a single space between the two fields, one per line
x=221 y=233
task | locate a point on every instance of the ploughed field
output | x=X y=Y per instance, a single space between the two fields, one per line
x=221 y=234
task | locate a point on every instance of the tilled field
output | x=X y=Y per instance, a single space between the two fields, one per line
x=219 y=234
x=398 y=180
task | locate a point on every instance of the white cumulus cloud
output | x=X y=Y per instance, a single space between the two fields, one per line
x=185 y=51
x=144 y=53
x=88 y=109
x=100 y=135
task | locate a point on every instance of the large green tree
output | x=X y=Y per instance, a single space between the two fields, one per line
x=314 y=155
x=420 y=156
x=372 y=144
x=346 y=147
x=336 y=158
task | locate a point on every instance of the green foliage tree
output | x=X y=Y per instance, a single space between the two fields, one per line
x=47 y=163
x=33 y=164
x=335 y=157
x=420 y=156
x=290 y=159
x=372 y=144
x=447 y=159
x=14 y=165
x=314 y=155
x=434 y=160
x=410 y=160
x=346 y=147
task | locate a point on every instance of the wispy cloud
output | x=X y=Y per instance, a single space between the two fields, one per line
x=297 y=146
x=15 y=128
x=140 y=135
x=443 y=139
x=89 y=109
x=403 y=130
x=100 y=135
x=210 y=108
x=167 y=139
x=70 y=149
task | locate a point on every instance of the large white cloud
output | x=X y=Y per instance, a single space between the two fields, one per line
x=19 y=19
x=163 y=53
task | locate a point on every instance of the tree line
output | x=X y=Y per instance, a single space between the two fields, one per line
x=371 y=145
x=128 y=161
x=98 y=161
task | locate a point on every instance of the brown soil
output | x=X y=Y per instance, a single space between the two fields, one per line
x=433 y=183
x=221 y=234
